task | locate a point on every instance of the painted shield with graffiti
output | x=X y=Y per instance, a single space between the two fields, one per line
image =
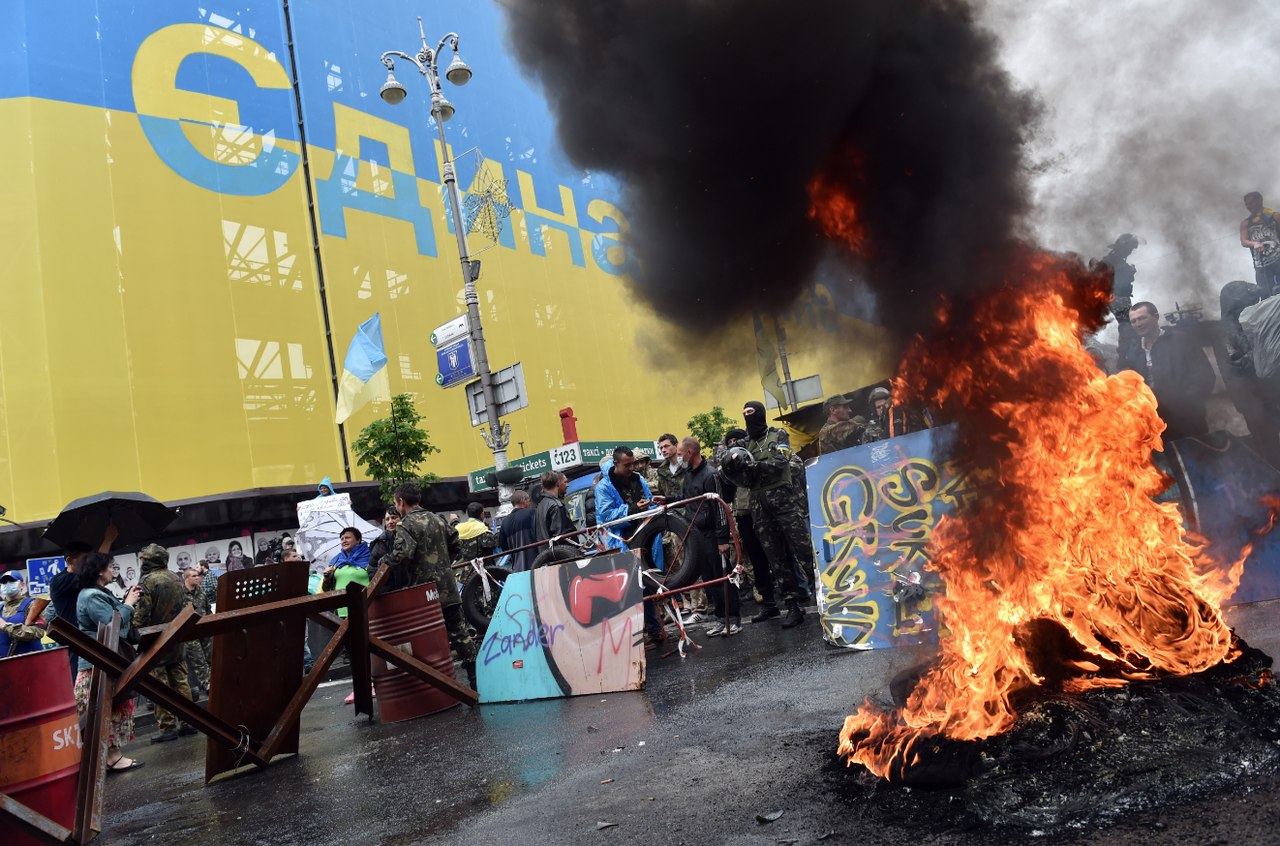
x=565 y=630
x=873 y=510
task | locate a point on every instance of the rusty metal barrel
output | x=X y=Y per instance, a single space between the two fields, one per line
x=39 y=739
x=410 y=620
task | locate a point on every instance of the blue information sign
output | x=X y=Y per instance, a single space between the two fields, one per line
x=40 y=571
x=455 y=363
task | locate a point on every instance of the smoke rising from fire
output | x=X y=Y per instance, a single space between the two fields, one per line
x=1159 y=118
x=724 y=122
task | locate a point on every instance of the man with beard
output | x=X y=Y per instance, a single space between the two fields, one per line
x=777 y=513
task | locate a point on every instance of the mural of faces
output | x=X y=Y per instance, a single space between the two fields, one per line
x=591 y=612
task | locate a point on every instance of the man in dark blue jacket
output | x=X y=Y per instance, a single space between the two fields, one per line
x=519 y=528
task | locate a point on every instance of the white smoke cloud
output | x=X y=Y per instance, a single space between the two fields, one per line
x=1159 y=117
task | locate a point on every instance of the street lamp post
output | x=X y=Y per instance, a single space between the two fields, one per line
x=496 y=434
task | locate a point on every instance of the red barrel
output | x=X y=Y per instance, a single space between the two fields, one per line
x=410 y=620
x=39 y=739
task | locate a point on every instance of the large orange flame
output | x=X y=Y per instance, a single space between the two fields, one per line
x=1069 y=533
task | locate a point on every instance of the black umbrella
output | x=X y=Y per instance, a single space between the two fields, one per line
x=136 y=516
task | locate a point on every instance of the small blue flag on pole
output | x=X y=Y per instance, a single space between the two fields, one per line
x=364 y=372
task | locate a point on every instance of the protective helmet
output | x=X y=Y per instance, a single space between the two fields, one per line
x=880 y=393
x=737 y=465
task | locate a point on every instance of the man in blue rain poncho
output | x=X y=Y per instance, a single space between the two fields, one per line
x=325 y=488
x=619 y=493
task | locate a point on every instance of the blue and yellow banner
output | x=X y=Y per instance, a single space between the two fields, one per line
x=207 y=201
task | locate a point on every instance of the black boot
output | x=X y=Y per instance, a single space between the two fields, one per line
x=469 y=667
x=766 y=612
x=794 y=615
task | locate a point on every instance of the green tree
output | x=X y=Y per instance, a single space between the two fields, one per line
x=392 y=450
x=709 y=428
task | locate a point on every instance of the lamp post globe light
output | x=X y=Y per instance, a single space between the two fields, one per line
x=496 y=434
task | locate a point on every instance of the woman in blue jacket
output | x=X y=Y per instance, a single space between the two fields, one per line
x=98 y=605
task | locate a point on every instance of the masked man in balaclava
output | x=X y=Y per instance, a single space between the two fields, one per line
x=777 y=513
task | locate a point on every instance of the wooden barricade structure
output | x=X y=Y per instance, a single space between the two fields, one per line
x=262 y=695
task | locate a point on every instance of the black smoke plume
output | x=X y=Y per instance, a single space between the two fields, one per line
x=718 y=115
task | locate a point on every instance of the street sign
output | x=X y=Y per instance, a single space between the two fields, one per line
x=40 y=571
x=451 y=331
x=508 y=392
x=804 y=390
x=581 y=454
x=455 y=363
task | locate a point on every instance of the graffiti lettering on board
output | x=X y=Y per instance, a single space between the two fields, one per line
x=566 y=630
x=876 y=508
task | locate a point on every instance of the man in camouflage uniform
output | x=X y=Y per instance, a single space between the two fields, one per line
x=670 y=471
x=777 y=513
x=426 y=546
x=842 y=430
x=163 y=597
x=199 y=650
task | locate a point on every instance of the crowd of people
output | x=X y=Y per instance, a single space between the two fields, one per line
x=753 y=469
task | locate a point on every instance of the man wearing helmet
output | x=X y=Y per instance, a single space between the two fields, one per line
x=889 y=420
x=777 y=512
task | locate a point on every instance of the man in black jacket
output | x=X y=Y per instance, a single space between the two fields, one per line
x=1177 y=371
x=708 y=519
x=553 y=517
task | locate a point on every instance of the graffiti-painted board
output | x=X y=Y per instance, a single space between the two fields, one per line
x=565 y=630
x=873 y=509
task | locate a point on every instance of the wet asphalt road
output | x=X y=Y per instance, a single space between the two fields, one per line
x=746 y=726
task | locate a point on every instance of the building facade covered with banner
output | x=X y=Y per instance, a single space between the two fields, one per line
x=205 y=202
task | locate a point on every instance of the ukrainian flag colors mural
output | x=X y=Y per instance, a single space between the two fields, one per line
x=206 y=200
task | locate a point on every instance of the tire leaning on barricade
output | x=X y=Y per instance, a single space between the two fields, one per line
x=475 y=609
x=685 y=569
x=555 y=554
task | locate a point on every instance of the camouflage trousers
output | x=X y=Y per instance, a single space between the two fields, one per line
x=197 y=656
x=175 y=676
x=459 y=635
x=779 y=520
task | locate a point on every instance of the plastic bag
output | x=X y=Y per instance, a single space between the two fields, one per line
x=1261 y=325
